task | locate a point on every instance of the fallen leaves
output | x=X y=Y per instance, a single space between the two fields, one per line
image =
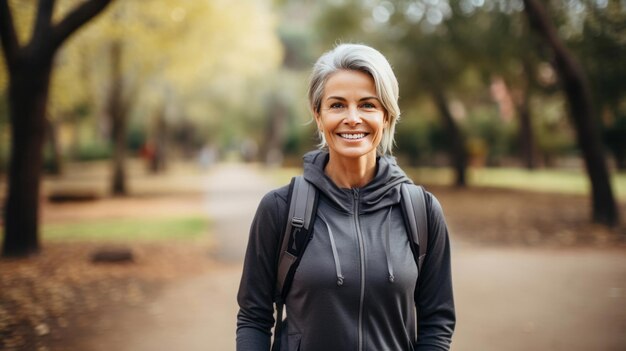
x=490 y=216
x=42 y=297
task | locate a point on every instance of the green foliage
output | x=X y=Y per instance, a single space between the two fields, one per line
x=555 y=136
x=298 y=47
x=136 y=137
x=414 y=139
x=200 y=61
x=95 y=150
x=299 y=140
x=490 y=137
x=341 y=21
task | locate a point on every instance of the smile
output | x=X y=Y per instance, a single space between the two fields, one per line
x=352 y=136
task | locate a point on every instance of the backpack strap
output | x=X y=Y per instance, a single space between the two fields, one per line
x=302 y=207
x=302 y=203
x=414 y=207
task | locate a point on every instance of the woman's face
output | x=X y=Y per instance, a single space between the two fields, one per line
x=351 y=116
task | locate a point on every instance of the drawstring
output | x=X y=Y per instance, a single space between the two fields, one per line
x=387 y=249
x=334 y=247
x=340 y=277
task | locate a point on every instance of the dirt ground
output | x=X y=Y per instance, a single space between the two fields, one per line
x=529 y=273
x=490 y=216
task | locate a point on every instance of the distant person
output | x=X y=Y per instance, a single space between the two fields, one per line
x=356 y=286
x=207 y=156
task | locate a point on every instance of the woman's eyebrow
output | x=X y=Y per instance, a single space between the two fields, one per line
x=344 y=99
x=369 y=98
x=336 y=98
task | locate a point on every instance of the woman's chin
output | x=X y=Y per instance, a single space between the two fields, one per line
x=354 y=152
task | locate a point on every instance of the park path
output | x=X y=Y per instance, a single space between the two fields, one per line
x=198 y=313
x=507 y=298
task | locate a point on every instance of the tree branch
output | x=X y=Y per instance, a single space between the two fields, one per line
x=75 y=19
x=43 y=20
x=539 y=19
x=8 y=37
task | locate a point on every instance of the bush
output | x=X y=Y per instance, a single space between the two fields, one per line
x=93 y=151
x=489 y=137
x=414 y=138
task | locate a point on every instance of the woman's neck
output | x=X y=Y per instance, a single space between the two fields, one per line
x=351 y=172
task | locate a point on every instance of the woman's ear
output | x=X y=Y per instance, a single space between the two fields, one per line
x=318 y=121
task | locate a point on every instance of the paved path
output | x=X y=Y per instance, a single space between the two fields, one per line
x=200 y=314
x=540 y=299
x=507 y=299
x=233 y=193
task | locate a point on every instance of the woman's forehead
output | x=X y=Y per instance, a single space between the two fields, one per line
x=346 y=81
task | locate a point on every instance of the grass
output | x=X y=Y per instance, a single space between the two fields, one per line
x=282 y=176
x=543 y=180
x=129 y=229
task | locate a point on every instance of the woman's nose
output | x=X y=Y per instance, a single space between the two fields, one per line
x=353 y=116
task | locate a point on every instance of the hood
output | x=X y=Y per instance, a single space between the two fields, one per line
x=382 y=191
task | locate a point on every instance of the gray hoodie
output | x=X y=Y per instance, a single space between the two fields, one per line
x=357 y=286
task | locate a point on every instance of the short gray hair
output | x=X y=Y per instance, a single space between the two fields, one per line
x=365 y=59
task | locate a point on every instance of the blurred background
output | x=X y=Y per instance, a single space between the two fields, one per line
x=137 y=138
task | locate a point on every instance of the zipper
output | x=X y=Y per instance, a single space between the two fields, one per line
x=359 y=236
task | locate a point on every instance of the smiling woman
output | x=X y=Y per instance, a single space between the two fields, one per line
x=364 y=61
x=363 y=282
x=352 y=120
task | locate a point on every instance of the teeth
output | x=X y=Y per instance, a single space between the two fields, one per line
x=353 y=136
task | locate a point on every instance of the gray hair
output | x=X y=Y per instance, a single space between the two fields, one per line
x=366 y=59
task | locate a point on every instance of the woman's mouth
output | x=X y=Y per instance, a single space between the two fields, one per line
x=352 y=136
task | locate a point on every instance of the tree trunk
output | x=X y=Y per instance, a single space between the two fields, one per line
x=29 y=69
x=56 y=165
x=118 y=182
x=272 y=147
x=458 y=154
x=526 y=135
x=117 y=113
x=528 y=152
x=28 y=93
x=580 y=109
x=157 y=161
x=615 y=137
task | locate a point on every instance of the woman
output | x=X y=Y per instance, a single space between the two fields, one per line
x=357 y=285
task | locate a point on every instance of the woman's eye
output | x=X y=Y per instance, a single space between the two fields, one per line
x=336 y=105
x=368 y=105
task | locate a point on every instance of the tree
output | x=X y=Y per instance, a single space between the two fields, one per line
x=434 y=70
x=600 y=41
x=30 y=67
x=181 y=58
x=117 y=107
x=578 y=95
x=437 y=70
x=497 y=42
x=456 y=148
x=522 y=105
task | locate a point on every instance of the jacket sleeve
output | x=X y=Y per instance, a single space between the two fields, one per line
x=256 y=290
x=433 y=296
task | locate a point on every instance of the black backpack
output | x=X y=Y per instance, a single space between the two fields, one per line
x=303 y=197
